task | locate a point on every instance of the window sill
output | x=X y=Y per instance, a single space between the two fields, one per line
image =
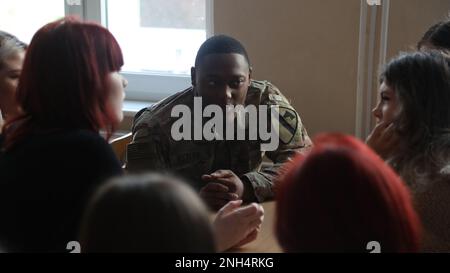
x=131 y=107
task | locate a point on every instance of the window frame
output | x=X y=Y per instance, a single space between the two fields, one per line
x=141 y=86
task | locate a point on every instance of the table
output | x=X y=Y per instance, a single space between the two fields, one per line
x=266 y=241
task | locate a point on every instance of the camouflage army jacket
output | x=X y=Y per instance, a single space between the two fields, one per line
x=153 y=148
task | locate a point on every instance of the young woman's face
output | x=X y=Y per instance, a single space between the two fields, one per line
x=116 y=84
x=387 y=109
x=9 y=79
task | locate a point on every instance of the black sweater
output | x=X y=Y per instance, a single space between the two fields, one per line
x=45 y=184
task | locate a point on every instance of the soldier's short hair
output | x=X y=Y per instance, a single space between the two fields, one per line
x=220 y=44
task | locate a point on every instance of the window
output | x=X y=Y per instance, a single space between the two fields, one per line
x=19 y=17
x=159 y=38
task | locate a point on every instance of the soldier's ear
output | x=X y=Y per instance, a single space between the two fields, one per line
x=193 y=76
x=250 y=69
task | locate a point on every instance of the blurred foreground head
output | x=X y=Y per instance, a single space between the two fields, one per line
x=147 y=213
x=340 y=197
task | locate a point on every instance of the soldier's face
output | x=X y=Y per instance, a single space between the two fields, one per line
x=222 y=79
x=387 y=109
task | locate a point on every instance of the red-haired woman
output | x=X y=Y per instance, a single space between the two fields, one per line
x=53 y=155
x=340 y=197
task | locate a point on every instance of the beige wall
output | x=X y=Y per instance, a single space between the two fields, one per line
x=410 y=19
x=308 y=48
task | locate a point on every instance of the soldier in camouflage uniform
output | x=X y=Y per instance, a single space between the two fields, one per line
x=222 y=170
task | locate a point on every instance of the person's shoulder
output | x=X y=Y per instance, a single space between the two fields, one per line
x=161 y=110
x=57 y=139
x=266 y=93
x=62 y=146
x=291 y=126
x=89 y=147
x=258 y=86
x=78 y=141
x=81 y=136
